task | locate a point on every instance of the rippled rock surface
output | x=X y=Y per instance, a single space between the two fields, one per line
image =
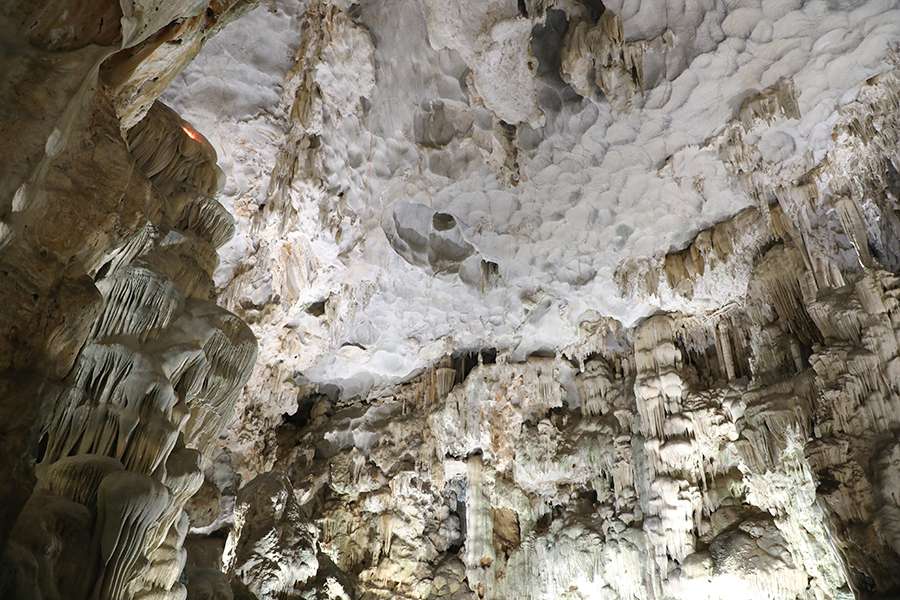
x=535 y=299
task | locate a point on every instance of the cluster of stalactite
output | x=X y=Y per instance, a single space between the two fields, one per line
x=745 y=452
x=118 y=368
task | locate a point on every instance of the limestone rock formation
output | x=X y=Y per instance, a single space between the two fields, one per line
x=447 y=300
x=120 y=370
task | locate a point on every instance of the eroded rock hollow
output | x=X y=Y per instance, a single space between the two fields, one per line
x=450 y=300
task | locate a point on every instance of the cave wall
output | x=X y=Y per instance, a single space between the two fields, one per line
x=741 y=451
x=399 y=198
x=749 y=455
x=739 y=442
x=118 y=368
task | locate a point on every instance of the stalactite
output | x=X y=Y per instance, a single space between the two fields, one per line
x=661 y=417
x=128 y=507
x=162 y=367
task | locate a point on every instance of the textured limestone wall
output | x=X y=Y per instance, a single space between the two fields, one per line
x=741 y=452
x=118 y=370
x=748 y=454
x=416 y=178
x=671 y=236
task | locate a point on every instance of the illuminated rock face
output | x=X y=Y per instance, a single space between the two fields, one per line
x=558 y=299
x=731 y=457
x=119 y=368
x=415 y=178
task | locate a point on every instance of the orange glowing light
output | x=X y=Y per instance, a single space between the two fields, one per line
x=191 y=133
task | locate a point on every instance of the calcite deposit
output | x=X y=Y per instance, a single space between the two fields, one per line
x=120 y=369
x=450 y=300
